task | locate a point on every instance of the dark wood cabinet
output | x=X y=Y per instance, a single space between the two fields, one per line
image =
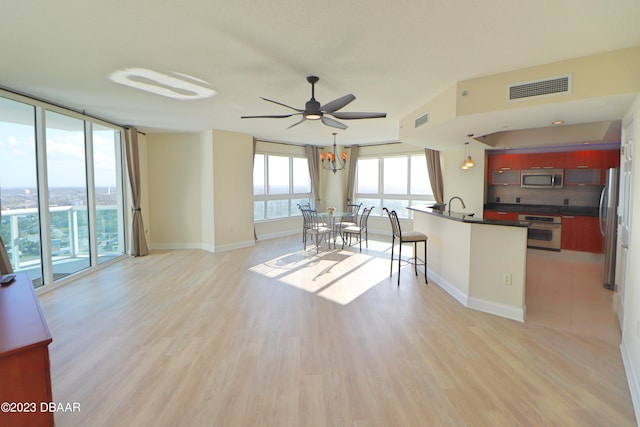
x=505 y=161
x=581 y=168
x=500 y=215
x=504 y=169
x=25 y=379
x=585 y=159
x=543 y=161
x=581 y=233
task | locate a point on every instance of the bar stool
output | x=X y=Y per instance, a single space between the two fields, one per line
x=408 y=237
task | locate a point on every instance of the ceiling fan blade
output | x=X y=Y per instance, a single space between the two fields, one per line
x=297 y=123
x=278 y=116
x=352 y=116
x=284 y=105
x=337 y=104
x=333 y=123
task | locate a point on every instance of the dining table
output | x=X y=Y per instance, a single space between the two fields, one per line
x=333 y=220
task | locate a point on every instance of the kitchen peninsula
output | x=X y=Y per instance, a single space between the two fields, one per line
x=481 y=263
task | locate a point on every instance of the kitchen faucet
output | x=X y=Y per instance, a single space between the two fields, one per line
x=456 y=197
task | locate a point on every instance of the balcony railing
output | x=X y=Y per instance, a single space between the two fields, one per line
x=69 y=238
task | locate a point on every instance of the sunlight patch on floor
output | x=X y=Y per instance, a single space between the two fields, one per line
x=337 y=275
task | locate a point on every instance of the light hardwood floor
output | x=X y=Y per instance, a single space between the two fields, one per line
x=276 y=336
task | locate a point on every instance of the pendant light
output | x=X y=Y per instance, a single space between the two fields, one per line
x=468 y=161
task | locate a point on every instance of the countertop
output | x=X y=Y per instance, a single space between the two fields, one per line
x=544 y=209
x=463 y=217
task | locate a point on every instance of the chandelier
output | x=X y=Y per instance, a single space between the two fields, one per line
x=330 y=161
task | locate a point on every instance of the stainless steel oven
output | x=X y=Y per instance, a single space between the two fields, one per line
x=544 y=232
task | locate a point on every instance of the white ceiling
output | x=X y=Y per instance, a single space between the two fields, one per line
x=393 y=56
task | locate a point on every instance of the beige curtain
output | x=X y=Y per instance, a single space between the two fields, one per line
x=314 y=172
x=351 y=174
x=435 y=174
x=255 y=143
x=5 y=263
x=138 y=241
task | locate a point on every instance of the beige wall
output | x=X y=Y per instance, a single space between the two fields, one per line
x=173 y=173
x=200 y=190
x=232 y=190
x=469 y=261
x=467 y=184
x=207 y=227
x=620 y=70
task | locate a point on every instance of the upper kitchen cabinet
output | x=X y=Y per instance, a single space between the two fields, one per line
x=589 y=167
x=504 y=169
x=543 y=161
x=610 y=159
x=586 y=159
x=505 y=161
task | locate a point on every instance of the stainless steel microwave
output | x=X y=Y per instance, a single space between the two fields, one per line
x=542 y=178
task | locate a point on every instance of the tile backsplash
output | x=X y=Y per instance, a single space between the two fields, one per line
x=567 y=196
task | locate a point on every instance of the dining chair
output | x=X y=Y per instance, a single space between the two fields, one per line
x=350 y=218
x=305 y=225
x=315 y=226
x=353 y=230
x=407 y=237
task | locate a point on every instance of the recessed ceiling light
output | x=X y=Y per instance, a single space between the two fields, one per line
x=183 y=87
x=558 y=122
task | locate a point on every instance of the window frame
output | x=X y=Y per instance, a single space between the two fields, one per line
x=45 y=275
x=291 y=196
x=382 y=197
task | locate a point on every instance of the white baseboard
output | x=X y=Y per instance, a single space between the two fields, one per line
x=508 y=311
x=279 y=234
x=205 y=247
x=456 y=293
x=232 y=246
x=496 y=309
x=174 y=246
x=632 y=378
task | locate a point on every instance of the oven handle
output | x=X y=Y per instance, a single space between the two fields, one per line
x=543 y=225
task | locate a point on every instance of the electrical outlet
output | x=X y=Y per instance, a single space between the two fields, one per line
x=506 y=279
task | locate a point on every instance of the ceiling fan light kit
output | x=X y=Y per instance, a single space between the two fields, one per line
x=313 y=110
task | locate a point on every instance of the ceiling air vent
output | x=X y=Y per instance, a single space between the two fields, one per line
x=553 y=86
x=422 y=120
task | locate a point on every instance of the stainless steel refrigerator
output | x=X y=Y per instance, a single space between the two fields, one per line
x=609 y=225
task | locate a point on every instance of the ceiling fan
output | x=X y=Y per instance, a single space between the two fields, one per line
x=313 y=110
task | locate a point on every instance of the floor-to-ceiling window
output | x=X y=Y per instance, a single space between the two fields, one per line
x=19 y=224
x=61 y=192
x=280 y=184
x=109 y=201
x=67 y=190
x=393 y=181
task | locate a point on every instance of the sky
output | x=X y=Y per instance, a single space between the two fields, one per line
x=65 y=157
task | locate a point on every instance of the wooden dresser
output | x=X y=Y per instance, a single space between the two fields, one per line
x=25 y=380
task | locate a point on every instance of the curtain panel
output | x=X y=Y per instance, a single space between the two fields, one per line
x=138 y=241
x=255 y=143
x=435 y=174
x=314 y=172
x=5 y=263
x=351 y=174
